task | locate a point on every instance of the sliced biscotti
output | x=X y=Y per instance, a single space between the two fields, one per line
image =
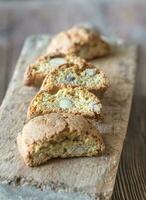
x=67 y=99
x=58 y=135
x=80 y=41
x=36 y=72
x=87 y=76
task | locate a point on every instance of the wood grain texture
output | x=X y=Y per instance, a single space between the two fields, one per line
x=3 y=53
x=91 y=177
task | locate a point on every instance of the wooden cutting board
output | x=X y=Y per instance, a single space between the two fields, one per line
x=66 y=179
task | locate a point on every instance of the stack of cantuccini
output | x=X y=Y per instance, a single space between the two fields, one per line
x=59 y=116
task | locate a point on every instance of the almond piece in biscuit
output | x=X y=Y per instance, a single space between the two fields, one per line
x=58 y=135
x=67 y=99
x=79 y=41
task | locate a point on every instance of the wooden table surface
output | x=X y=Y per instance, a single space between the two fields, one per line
x=126 y=20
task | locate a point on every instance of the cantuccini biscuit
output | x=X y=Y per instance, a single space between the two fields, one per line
x=58 y=135
x=37 y=71
x=80 y=41
x=71 y=74
x=67 y=99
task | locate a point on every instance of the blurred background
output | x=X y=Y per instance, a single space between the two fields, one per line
x=125 y=19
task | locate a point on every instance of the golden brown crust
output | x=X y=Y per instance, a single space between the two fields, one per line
x=31 y=79
x=53 y=128
x=98 y=89
x=93 y=110
x=80 y=41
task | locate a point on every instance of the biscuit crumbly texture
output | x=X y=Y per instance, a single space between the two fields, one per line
x=37 y=71
x=76 y=100
x=58 y=135
x=86 y=76
x=79 y=41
